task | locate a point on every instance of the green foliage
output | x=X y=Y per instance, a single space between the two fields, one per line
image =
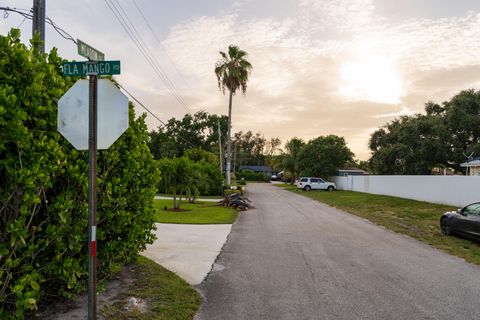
x=290 y=159
x=177 y=136
x=179 y=178
x=44 y=188
x=322 y=156
x=443 y=137
x=250 y=175
x=233 y=70
x=197 y=173
x=227 y=192
x=252 y=148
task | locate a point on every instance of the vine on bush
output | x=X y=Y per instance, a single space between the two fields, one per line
x=44 y=187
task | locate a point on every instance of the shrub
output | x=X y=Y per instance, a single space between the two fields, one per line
x=227 y=192
x=44 y=188
x=250 y=175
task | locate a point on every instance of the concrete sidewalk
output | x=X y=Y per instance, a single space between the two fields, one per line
x=188 y=250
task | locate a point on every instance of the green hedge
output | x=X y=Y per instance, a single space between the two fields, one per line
x=250 y=175
x=44 y=188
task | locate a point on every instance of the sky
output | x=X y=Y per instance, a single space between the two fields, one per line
x=320 y=67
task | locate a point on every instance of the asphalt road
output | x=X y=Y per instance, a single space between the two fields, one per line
x=295 y=258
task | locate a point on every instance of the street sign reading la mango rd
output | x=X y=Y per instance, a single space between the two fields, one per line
x=99 y=68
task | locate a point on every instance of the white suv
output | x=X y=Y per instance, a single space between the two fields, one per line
x=308 y=184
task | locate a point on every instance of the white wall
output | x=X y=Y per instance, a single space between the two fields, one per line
x=452 y=190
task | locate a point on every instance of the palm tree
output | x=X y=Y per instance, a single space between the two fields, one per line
x=232 y=72
x=290 y=158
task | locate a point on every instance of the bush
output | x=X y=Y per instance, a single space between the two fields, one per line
x=250 y=175
x=206 y=176
x=44 y=188
x=227 y=192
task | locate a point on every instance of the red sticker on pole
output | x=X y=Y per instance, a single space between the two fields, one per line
x=93 y=242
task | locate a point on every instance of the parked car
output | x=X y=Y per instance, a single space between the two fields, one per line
x=273 y=177
x=464 y=222
x=310 y=183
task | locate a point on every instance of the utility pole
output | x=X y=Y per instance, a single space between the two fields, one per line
x=38 y=25
x=220 y=146
x=234 y=158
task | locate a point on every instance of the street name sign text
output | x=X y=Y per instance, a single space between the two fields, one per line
x=100 y=68
x=89 y=52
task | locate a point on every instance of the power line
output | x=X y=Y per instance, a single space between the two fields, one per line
x=149 y=111
x=131 y=31
x=26 y=14
x=159 y=42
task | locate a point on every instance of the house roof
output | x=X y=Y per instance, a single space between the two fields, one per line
x=256 y=168
x=351 y=170
x=474 y=162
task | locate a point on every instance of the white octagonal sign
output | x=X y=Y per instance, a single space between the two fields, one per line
x=112 y=114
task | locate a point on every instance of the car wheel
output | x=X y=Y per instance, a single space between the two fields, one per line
x=330 y=188
x=444 y=227
x=307 y=188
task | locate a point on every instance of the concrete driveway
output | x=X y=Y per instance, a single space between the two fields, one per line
x=294 y=258
x=188 y=250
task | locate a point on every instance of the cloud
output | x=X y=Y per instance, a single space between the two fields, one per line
x=331 y=67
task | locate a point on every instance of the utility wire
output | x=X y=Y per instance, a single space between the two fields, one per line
x=142 y=41
x=26 y=14
x=67 y=36
x=149 y=111
x=159 y=42
x=140 y=44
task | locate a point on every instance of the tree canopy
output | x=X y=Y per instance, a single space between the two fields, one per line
x=322 y=156
x=443 y=137
x=199 y=130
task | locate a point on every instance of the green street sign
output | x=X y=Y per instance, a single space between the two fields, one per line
x=89 y=52
x=85 y=68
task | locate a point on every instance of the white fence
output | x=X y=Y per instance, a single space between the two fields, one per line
x=452 y=190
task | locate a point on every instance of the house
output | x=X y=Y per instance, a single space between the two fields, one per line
x=473 y=166
x=259 y=169
x=351 y=172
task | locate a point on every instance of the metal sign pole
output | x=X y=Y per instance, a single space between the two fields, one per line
x=92 y=200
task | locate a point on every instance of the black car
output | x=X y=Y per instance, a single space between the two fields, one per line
x=464 y=222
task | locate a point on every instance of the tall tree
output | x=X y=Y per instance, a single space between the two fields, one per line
x=232 y=72
x=199 y=130
x=443 y=137
x=410 y=145
x=322 y=156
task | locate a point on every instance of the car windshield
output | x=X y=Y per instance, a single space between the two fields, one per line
x=473 y=209
x=303 y=180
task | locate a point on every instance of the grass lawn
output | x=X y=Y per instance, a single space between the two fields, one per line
x=416 y=219
x=201 y=213
x=168 y=296
x=201 y=197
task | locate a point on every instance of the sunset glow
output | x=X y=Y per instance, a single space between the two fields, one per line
x=372 y=78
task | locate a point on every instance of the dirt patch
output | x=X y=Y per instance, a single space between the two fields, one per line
x=78 y=308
